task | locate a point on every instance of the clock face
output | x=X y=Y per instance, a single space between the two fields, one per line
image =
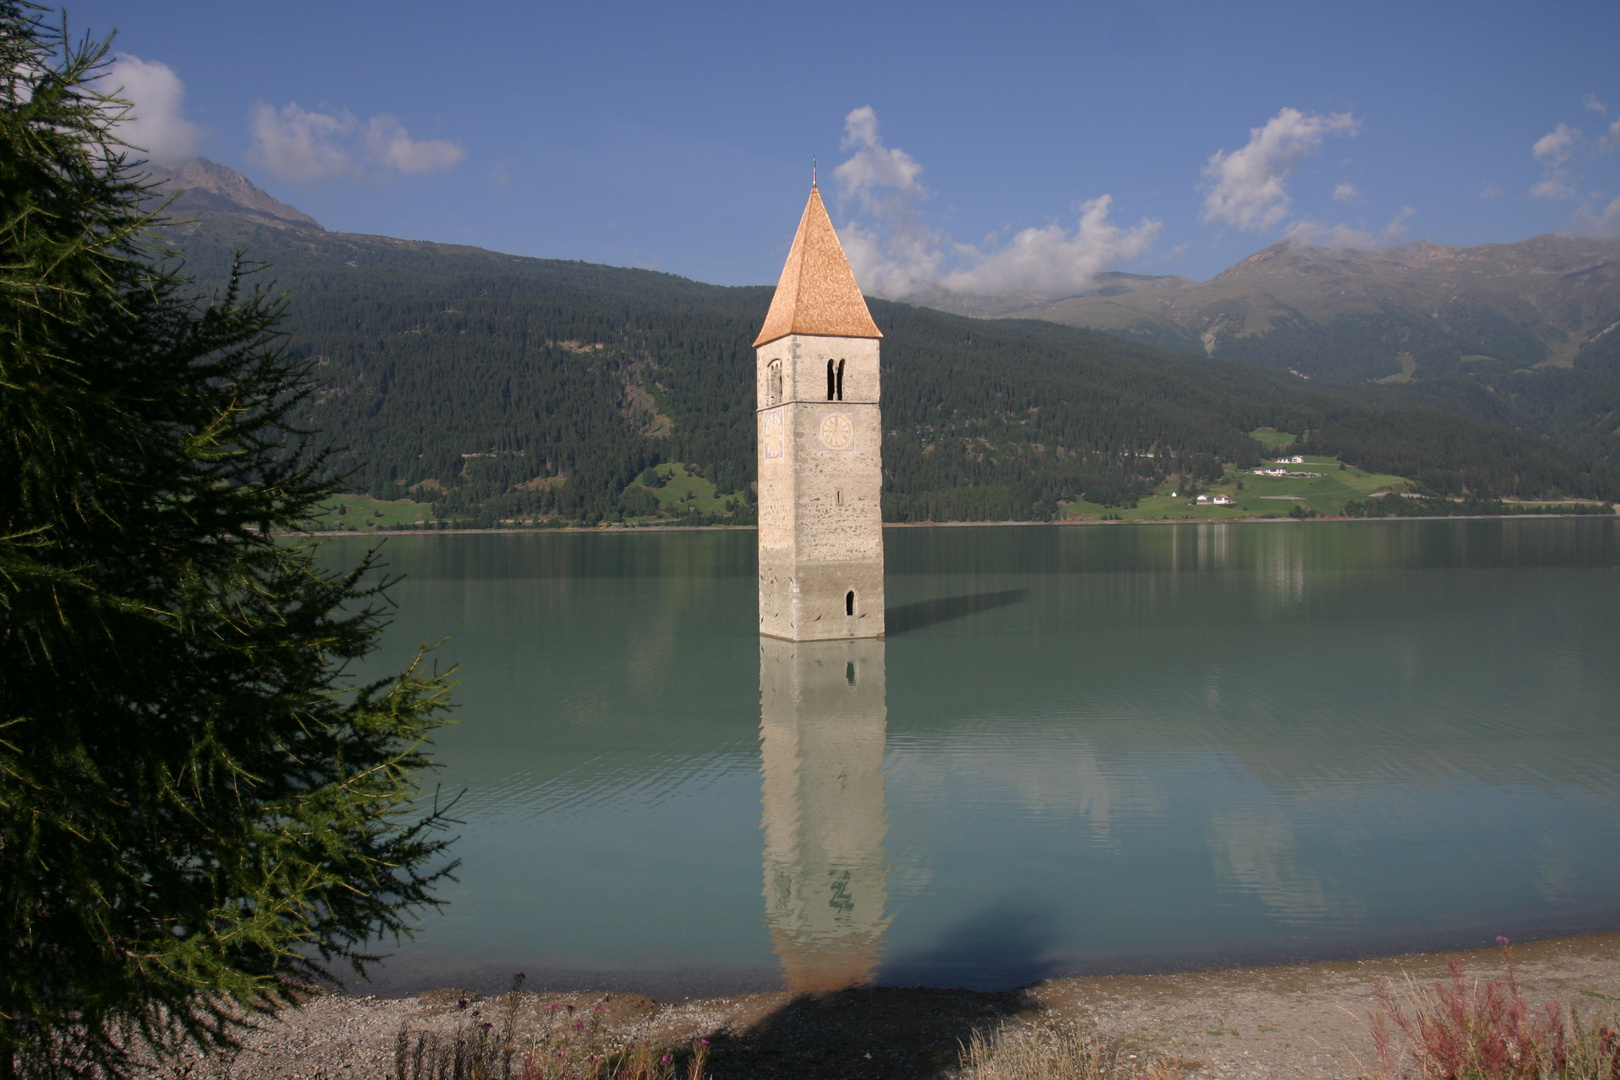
x=770 y=434
x=837 y=433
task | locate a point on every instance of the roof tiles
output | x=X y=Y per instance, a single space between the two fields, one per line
x=817 y=293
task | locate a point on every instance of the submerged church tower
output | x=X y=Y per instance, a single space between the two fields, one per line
x=820 y=452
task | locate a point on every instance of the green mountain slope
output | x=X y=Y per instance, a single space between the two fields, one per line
x=500 y=388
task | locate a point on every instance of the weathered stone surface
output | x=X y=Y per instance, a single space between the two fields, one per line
x=820 y=479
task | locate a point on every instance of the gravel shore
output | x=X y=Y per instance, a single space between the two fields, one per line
x=1304 y=1021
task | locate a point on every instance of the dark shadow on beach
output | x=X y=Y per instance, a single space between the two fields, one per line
x=910 y=1032
x=908 y=617
x=887 y=1033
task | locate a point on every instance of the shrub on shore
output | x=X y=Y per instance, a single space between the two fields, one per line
x=1471 y=1030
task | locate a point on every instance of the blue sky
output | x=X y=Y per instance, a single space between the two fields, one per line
x=972 y=147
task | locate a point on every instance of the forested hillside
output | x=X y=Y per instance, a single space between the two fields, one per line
x=503 y=388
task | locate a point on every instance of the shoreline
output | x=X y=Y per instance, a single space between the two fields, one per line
x=1282 y=520
x=1301 y=1020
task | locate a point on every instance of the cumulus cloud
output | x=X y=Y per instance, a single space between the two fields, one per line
x=1346 y=237
x=1052 y=261
x=1395 y=231
x=1248 y=187
x=895 y=254
x=155 y=123
x=1590 y=221
x=892 y=252
x=298 y=144
x=1594 y=105
x=1491 y=191
x=1346 y=193
x=1555 y=150
x=1319 y=234
x=1611 y=217
x=387 y=142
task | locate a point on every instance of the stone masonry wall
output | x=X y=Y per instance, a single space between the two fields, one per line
x=820 y=478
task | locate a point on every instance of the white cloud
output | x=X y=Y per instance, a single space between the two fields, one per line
x=1248 y=186
x=388 y=143
x=1346 y=193
x=894 y=254
x=1345 y=237
x=155 y=123
x=1594 y=105
x=1050 y=261
x=301 y=145
x=1592 y=222
x=1491 y=191
x=1395 y=231
x=1318 y=234
x=1554 y=150
x=873 y=166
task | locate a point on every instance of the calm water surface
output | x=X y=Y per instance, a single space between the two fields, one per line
x=1079 y=750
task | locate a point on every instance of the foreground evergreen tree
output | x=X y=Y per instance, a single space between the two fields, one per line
x=197 y=814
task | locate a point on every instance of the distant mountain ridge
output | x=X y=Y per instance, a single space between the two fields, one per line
x=1420 y=310
x=1012 y=305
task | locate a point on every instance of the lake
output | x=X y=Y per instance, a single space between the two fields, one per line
x=1092 y=749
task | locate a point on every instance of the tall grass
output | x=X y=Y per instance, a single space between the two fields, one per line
x=1471 y=1030
x=1055 y=1051
x=566 y=1044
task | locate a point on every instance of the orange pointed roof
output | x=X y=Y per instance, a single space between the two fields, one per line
x=817 y=293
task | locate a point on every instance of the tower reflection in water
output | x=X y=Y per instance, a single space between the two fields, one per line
x=822 y=718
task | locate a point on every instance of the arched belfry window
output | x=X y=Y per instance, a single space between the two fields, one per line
x=835 y=380
x=849 y=603
x=773 y=383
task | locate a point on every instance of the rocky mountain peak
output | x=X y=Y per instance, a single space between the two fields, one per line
x=207 y=187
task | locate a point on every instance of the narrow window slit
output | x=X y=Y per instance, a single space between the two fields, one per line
x=832 y=381
x=849 y=672
x=849 y=603
x=840 y=380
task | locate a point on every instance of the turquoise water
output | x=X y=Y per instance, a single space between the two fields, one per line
x=1124 y=748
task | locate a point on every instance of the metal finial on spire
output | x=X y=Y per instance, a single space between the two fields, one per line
x=812 y=172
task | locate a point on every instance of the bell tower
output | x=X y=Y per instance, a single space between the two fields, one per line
x=820 y=447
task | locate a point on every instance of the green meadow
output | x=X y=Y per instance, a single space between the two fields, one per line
x=1254 y=496
x=1272 y=439
x=358 y=513
x=680 y=491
